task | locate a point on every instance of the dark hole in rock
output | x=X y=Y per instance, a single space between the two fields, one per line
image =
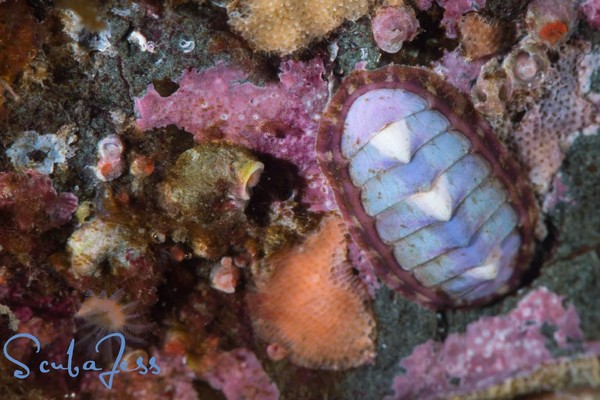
x=553 y=56
x=278 y=182
x=37 y=155
x=519 y=116
x=544 y=252
x=165 y=87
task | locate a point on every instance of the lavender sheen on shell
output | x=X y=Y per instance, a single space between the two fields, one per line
x=436 y=205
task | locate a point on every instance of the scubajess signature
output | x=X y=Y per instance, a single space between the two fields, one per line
x=106 y=376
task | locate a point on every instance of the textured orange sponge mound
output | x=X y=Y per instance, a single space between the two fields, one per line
x=311 y=307
x=481 y=37
x=283 y=26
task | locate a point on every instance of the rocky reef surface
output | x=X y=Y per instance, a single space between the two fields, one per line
x=166 y=231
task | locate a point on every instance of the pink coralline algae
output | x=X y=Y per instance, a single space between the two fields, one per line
x=392 y=26
x=423 y=5
x=239 y=374
x=279 y=119
x=174 y=382
x=454 y=9
x=493 y=349
x=590 y=9
x=458 y=70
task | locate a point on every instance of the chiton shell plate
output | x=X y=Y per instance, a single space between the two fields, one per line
x=440 y=208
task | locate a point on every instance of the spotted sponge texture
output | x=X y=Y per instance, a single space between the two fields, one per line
x=480 y=37
x=283 y=26
x=313 y=306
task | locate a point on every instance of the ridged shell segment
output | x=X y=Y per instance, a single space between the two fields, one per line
x=430 y=191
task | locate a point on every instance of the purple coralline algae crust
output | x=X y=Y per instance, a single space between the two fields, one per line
x=457 y=70
x=239 y=374
x=590 y=9
x=423 y=5
x=454 y=9
x=175 y=381
x=279 y=119
x=493 y=349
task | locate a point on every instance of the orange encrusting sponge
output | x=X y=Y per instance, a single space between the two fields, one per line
x=313 y=306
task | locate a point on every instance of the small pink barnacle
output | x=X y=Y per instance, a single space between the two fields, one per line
x=225 y=276
x=392 y=26
x=276 y=352
x=110 y=158
x=141 y=167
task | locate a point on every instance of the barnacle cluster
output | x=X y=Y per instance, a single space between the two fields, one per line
x=203 y=197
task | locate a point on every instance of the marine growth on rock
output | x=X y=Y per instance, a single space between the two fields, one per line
x=299 y=199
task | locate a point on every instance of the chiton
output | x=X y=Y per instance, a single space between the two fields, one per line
x=435 y=201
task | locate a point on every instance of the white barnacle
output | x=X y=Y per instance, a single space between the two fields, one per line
x=187 y=46
x=140 y=40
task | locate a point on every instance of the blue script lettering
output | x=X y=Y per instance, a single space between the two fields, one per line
x=44 y=367
x=71 y=370
x=140 y=364
x=115 y=368
x=106 y=378
x=90 y=365
x=154 y=366
x=26 y=371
